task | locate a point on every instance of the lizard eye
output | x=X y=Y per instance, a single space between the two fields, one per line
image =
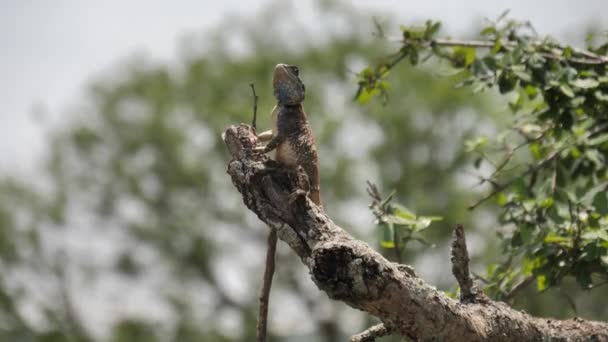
x=295 y=70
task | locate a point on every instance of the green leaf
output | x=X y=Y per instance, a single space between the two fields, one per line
x=413 y=56
x=604 y=259
x=560 y=240
x=575 y=152
x=585 y=83
x=529 y=265
x=601 y=96
x=541 y=282
x=431 y=29
x=464 y=54
x=522 y=75
x=488 y=30
x=595 y=157
x=365 y=95
x=474 y=144
x=400 y=221
x=600 y=202
x=529 y=205
x=535 y=150
x=531 y=91
x=388 y=235
x=547 y=202
x=595 y=234
x=598 y=140
x=506 y=82
x=403 y=212
x=422 y=223
x=501 y=199
x=566 y=90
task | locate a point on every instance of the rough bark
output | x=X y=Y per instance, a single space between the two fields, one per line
x=349 y=270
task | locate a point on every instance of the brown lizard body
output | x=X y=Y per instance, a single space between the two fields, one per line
x=291 y=135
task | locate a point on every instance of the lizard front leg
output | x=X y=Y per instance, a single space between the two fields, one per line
x=265 y=136
x=302 y=185
x=272 y=144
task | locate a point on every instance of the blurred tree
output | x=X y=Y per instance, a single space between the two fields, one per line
x=135 y=234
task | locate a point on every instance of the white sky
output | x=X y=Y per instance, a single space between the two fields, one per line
x=50 y=49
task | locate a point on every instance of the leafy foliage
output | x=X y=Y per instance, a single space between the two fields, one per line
x=399 y=224
x=549 y=169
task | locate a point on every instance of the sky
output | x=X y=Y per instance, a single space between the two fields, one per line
x=51 y=49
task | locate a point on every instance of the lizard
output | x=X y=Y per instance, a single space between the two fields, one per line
x=291 y=136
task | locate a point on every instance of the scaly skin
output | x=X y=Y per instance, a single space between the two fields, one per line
x=291 y=135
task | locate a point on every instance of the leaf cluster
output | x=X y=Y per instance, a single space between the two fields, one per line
x=548 y=170
x=399 y=225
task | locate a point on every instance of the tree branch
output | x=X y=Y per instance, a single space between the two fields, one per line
x=557 y=54
x=350 y=271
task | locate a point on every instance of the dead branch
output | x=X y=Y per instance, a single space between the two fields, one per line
x=350 y=271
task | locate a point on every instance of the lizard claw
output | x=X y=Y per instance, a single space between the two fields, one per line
x=259 y=149
x=296 y=194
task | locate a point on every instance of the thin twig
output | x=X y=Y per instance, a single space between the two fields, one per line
x=598 y=284
x=479 y=277
x=518 y=288
x=590 y=57
x=569 y=300
x=371 y=334
x=262 y=326
x=255 y=106
x=507 y=184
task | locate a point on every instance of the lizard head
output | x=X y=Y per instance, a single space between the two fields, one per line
x=288 y=87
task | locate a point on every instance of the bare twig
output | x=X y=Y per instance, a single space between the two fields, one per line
x=517 y=289
x=460 y=266
x=255 y=107
x=371 y=334
x=266 y=285
x=500 y=188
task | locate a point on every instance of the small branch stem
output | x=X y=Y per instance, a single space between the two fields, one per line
x=460 y=266
x=266 y=285
x=500 y=188
x=590 y=57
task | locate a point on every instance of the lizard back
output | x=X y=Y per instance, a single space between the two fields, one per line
x=299 y=147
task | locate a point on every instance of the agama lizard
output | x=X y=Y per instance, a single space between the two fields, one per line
x=291 y=135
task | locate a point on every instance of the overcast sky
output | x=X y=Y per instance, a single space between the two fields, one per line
x=50 y=49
